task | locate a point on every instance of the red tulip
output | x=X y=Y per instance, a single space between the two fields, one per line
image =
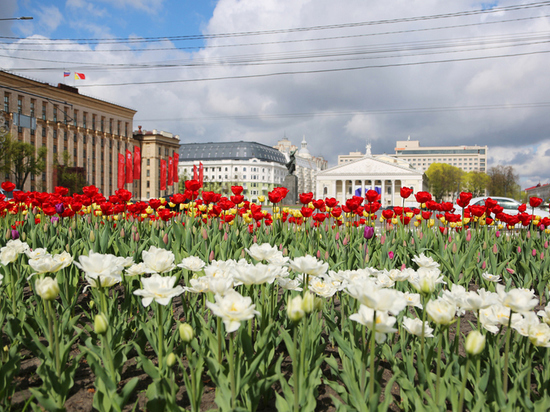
x=464 y=199
x=8 y=186
x=192 y=185
x=237 y=190
x=275 y=196
x=306 y=211
x=522 y=208
x=535 y=201
x=372 y=196
x=331 y=202
x=305 y=198
x=406 y=192
x=423 y=197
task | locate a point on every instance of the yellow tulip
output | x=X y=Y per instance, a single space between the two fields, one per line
x=416 y=223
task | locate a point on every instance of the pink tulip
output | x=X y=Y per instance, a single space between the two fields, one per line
x=497 y=234
x=534 y=252
x=519 y=249
x=483 y=265
x=382 y=239
x=390 y=254
x=318 y=254
x=326 y=255
x=468 y=235
x=337 y=236
x=225 y=236
x=211 y=257
x=495 y=249
x=546 y=245
x=510 y=271
x=403 y=266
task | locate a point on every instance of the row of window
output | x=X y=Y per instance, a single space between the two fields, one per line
x=62 y=115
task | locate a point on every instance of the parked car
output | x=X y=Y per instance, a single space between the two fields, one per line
x=9 y=195
x=509 y=205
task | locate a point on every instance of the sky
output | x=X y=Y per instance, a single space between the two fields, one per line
x=340 y=73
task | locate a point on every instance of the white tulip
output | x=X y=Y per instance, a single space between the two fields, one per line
x=414 y=327
x=232 y=309
x=158 y=288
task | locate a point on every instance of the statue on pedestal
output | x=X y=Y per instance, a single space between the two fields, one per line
x=291 y=164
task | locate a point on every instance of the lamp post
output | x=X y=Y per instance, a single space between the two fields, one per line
x=18 y=18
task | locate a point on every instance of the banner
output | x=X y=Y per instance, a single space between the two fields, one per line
x=195 y=173
x=163 y=175
x=129 y=173
x=170 y=172
x=176 y=167
x=201 y=173
x=121 y=177
x=137 y=163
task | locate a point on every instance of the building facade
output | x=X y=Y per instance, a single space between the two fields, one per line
x=467 y=158
x=542 y=191
x=256 y=167
x=156 y=146
x=383 y=173
x=307 y=165
x=89 y=132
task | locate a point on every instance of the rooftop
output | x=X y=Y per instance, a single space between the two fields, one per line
x=230 y=150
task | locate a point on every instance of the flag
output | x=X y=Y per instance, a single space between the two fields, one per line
x=195 y=174
x=176 y=165
x=137 y=163
x=79 y=76
x=121 y=176
x=129 y=173
x=163 y=175
x=201 y=176
x=170 y=172
x=66 y=74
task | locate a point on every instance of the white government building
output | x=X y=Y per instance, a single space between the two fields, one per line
x=358 y=172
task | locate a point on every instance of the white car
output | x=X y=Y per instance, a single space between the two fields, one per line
x=510 y=206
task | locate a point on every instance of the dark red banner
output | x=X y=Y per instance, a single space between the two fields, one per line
x=129 y=164
x=176 y=164
x=121 y=176
x=163 y=175
x=201 y=173
x=137 y=163
x=170 y=172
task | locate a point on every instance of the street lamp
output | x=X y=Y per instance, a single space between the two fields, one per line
x=19 y=18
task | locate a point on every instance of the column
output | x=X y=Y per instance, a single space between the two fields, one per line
x=393 y=192
x=343 y=200
x=383 y=195
x=334 y=188
x=363 y=187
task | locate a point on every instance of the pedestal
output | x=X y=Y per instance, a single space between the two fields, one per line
x=291 y=183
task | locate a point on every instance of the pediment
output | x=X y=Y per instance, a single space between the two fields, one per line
x=370 y=166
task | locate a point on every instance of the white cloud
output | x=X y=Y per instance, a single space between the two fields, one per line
x=49 y=17
x=217 y=110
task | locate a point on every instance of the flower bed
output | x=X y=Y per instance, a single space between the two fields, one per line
x=218 y=303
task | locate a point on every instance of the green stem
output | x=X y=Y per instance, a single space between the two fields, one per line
x=530 y=367
x=438 y=369
x=296 y=372
x=231 y=361
x=372 y=349
x=506 y=351
x=109 y=360
x=160 y=334
x=463 y=388
x=219 y=332
x=54 y=340
x=363 y=366
x=192 y=390
x=424 y=312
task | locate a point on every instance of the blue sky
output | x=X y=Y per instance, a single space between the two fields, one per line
x=340 y=73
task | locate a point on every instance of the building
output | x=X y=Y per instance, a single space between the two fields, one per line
x=156 y=146
x=256 y=167
x=88 y=131
x=383 y=173
x=467 y=158
x=542 y=191
x=307 y=166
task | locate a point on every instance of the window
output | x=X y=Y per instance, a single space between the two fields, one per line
x=43 y=132
x=236 y=169
x=32 y=108
x=55 y=148
x=126 y=130
x=118 y=128
x=6 y=103
x=111 y=126
x=84 y=121
x=65 y=115
x=102 y=124
x=43 y=111
x=244 y=169
x=148 y=185
x=148 y=173
x=55 y=134
x=74 y=137
x=75 y=117
x=93 y=121
x=148 y=162
x=55 y=114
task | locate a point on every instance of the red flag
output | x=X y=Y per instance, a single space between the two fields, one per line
x=121 y=176
x=129 y=173
x=176 y=170
x=163 y=175
x=137 y=163
x=170 y=172
x=195 y=174
x=201 y=175
x=79 y=76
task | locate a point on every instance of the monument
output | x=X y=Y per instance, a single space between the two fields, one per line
x=291 y=180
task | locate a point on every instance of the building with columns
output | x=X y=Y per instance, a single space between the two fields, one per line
x=385 y=174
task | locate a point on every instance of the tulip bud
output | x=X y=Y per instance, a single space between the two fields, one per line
x=225 y=237
x=475 y=343
x=186 y=332
x=337 y=236
x=165 y=238
x=308 y=303
x=534 y=253
x=497 y=234
x=495 y=249
x=483 y=265
x=211 y=257
x=23 y=236
x=294 y=309
x=101 y=324
x=454 y=248
x=204 y=233
x=327 y=255
x=47 y=288
x=92 y=236
x=171 y=359
x=122 y=233
x=68 y=248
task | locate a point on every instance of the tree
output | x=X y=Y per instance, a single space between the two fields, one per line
x=73 y=178
x=444 y=179
x=504 y=182
x=476 y=182
x=23 y=159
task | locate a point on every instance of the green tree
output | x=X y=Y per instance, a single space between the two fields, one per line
x=476 y=182
x=444 y=179
x=22 y=160
x=504 y=182
x=73 y=178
